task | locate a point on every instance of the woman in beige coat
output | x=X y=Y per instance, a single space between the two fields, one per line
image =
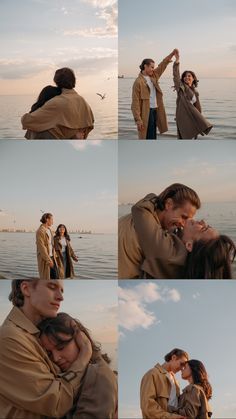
x=97 y=397
x=193 y=402
x=189 y=119
x=64 y=253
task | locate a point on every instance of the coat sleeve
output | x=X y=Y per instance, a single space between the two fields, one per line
x=162 y=66
x=135 y=106
x=41 y=247
x=43 y=118
x=151 y=409
x=176 y=76
x=28 y=383
x=191 y=404
x=159 y=247
x=72 y=253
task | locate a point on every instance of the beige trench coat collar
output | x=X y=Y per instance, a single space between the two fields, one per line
x=17 y=317
x=164 y=372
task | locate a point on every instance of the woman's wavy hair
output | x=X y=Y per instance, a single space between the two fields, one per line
x=57 y=233
x=146 y=61
x=195 y=80
x=211 y=259
x=16 y=296
x=200 y=376
x=63 y=323
x=46 y=94
x=179 y=193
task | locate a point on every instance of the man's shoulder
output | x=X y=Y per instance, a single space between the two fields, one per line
x=154 y=371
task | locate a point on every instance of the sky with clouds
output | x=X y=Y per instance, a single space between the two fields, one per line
x=157 y=316
x=94 y=304
x=208 y=169
x=39 y=36
x=74 y=180
x=204 y=32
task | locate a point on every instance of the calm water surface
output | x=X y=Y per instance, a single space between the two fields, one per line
x=97 y=256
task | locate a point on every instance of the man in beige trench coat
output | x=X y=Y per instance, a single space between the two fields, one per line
x=159 y=387
x=147 y=99
x=146 y=242
x=31 y=386
x=46 y=256
x=64 y=116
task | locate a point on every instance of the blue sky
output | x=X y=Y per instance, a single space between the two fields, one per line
x=74 y=180
x=204 y=32
x=208 y=168
x=156 y=316
x=38 y=36
x=94 y=303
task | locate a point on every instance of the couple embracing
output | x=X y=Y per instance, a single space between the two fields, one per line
x=148 y=106
x=50 y=365
x=160 y=396
x=161 y=239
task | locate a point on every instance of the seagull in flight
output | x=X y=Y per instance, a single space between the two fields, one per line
x=101 y=96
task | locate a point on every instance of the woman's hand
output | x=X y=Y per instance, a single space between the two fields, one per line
x=83 y=343
x=80 y=135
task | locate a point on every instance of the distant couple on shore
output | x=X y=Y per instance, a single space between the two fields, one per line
x=59 y=113
x=160 y=239
x=160 y=393
x=54 y=251
x=148 y=106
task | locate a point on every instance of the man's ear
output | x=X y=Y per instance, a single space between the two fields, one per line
x=189 y=245
x=169 y=204
x=25 y=288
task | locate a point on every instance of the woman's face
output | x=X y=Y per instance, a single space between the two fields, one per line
x=62 y=230
x=188 y=79
x=63 y=354
x=186 y=372
x=198 y=230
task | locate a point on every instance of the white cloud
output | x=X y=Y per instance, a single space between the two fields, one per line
x=133 y=311
x=84 y=144
x=107 y=11
x=17 y=68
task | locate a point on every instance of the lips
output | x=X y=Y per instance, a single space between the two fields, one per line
x=57 y=306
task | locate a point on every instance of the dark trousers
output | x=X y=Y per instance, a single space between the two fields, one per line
x=152 y=125
x=53 y=271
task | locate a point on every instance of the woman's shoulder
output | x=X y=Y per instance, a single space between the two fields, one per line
x=193 y=388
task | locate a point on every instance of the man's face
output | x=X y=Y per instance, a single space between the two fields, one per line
x=64 y=353
x=50 y=221
x=176 y=216
x=178 y=363
x=45 y=298
x=149 y=69
x=198 y=230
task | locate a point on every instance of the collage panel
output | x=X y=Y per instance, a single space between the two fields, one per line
x=58 y=349
x=58 y=69
x=177 y=210
x=58 y=216
x=177 y=70
x=175 y=348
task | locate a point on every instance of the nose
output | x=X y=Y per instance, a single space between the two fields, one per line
x=59 y=295
x=56 y=355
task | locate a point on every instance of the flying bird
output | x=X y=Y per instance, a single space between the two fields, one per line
x=101 y=96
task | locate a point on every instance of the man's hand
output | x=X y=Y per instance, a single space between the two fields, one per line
x=51 y=264
x=80 y=135
x=140 y=126
x=176 y=55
